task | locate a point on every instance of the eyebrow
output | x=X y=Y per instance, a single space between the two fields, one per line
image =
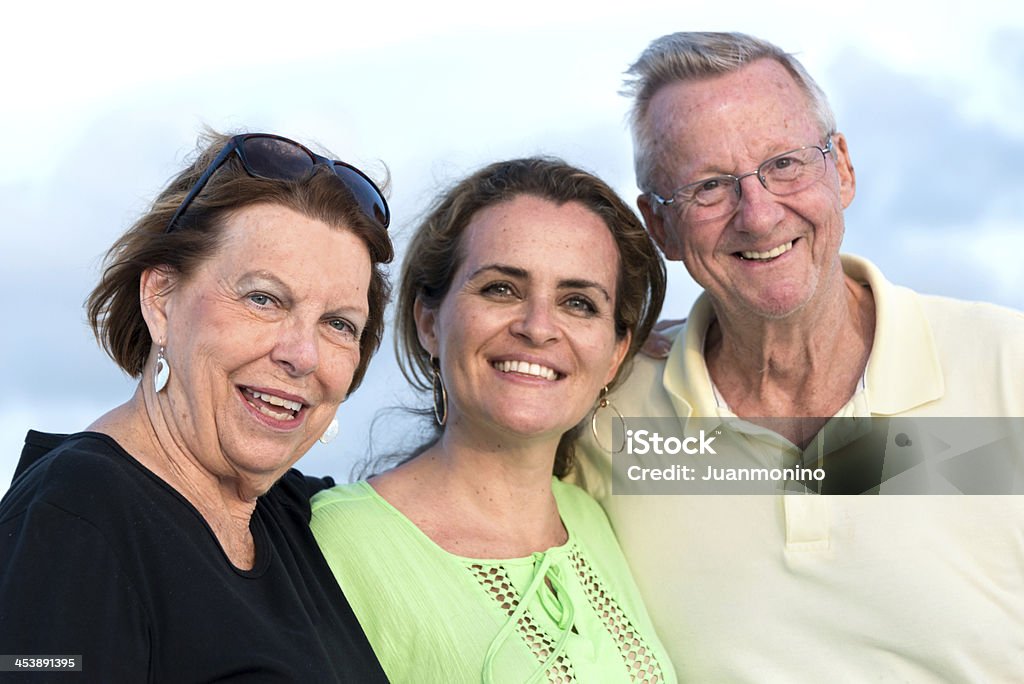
x=252 y=278
x=522 y=273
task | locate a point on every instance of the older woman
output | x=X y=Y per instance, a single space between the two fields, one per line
x=170 y=541
x=523 y=294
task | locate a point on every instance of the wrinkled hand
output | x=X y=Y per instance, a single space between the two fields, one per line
x=658 y=344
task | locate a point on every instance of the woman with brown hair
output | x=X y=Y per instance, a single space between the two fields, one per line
x=524 y=294
x=169 y=541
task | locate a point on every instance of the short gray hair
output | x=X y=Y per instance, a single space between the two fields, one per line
x=690 y=56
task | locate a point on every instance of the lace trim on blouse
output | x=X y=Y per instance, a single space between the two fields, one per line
x=549 y=650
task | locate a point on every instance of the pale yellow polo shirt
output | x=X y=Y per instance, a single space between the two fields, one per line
x=807 y=588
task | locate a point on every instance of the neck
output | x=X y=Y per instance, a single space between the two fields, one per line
x=807 y=364
x=138 y=426
x=480 y=498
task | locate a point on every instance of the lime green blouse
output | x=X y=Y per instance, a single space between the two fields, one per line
x=569 y=614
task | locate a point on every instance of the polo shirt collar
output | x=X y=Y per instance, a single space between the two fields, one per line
x=903 y=369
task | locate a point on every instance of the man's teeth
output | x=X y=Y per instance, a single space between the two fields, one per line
x=771 y=254
x=526 y=368
x=292 y=406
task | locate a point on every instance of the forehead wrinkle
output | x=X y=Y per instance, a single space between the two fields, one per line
x=723 y=103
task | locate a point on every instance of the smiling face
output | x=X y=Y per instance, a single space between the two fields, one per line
x=774 y=254
x=526 y=333
x=263 y=340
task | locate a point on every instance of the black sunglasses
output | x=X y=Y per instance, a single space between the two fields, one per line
x=270 y=156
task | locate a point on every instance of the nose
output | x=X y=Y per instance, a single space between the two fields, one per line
x=535 y=322
x=759 y=211
x=296 y=348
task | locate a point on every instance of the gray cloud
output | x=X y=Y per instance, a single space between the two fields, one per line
x=929 y=164
x=929 y=177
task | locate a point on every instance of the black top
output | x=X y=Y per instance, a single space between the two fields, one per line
x=102 y=559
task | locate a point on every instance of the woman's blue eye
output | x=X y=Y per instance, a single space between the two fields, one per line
x=582 y=304
x=341 y=325
x=260 y=299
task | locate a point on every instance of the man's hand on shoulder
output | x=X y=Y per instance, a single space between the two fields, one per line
x=658 y=344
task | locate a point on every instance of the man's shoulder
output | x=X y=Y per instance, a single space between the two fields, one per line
x=972 y=318
x=947 y=316
x=975 y=333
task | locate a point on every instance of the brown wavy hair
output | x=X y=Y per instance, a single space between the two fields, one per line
x=435 y=253
x=113 y=307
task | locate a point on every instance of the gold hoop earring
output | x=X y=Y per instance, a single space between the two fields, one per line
x=440 y=394
x=602 y=402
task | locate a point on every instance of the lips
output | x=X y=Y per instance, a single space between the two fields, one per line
x=271 y=405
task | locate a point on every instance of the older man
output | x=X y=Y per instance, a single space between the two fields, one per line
x=745 y=179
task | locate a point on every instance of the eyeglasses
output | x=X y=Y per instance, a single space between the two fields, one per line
x=270 y=156
x=718 y=196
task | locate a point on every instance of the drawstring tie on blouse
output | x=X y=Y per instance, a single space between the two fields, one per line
x=555 y=603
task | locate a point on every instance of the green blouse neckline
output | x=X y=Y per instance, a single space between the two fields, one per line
x=553 y=552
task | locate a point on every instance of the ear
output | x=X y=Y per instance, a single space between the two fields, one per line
x=621 y=348
x=844 y=167
x=662 y=235
x=426 y=326
x=154 y=287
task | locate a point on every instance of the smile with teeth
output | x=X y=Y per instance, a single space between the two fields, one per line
x=526 y=368
x=770 y=254
x=260 y=401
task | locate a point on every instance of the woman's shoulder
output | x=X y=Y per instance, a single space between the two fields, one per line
x=352 y=511
x=76 y=472
x=586 y=521
x=353 y=495
x=368 y=544
x=572 y=498
x=294 y=491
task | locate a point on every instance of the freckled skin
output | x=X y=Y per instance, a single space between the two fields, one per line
x=537 y=282
x=266 y=311
x=730 y=124
x=539 y=317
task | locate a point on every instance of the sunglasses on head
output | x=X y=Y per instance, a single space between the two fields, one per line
x=270 y=156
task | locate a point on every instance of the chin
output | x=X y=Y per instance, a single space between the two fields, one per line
x=781 y=304
x=534 y=426
x=264 y=462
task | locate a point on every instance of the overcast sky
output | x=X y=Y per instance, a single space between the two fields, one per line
x=102 y=102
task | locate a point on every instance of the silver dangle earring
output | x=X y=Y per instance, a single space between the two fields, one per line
x=602 y=403
x=330 y=433
x=162 y=371
x=440 y=394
